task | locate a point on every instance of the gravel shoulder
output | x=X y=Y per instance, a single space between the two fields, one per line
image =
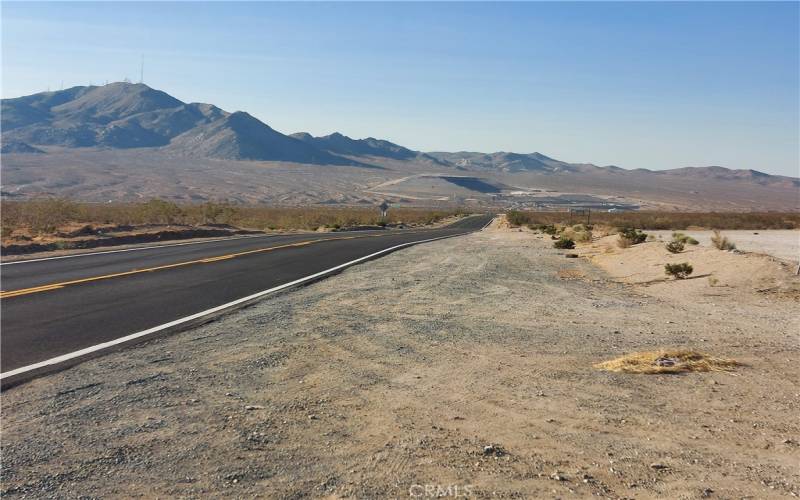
x=396 y=374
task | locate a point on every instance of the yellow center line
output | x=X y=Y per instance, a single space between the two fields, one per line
x=56 y=286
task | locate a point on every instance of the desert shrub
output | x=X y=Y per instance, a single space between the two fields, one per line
x=547 y=228
x=218 y=213
x=678 y=271
x=47 y=214
x=564 y=243
x=683 y=238
x=516 y=218
x=721 y=242
x=158 y=211
x=630 y=236
x=675 y=246
x=578 y=233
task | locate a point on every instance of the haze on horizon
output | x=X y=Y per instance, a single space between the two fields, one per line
x=638 y=85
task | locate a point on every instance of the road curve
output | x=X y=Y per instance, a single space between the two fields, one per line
x=56 y=308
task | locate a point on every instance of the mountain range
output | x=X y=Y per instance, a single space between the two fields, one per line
x=134 y=117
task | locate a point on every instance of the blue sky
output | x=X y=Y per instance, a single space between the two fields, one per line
x=651 y=85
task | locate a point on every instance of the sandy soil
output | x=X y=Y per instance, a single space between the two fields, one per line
x=783 y=244
x=395 y=376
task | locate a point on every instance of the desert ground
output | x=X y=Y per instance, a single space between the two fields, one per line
x=463 y=367
x=783 y=244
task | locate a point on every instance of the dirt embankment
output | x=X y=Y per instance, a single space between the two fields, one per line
x=463 y=366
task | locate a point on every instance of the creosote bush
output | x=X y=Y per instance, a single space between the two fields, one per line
x=630 y=236
x=678 y=271
x=675 y=246
x=564 y=243
x=721 y=242
x=685 y=239
x=547 y=229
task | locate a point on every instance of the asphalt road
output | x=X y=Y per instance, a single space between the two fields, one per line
x=54 y=307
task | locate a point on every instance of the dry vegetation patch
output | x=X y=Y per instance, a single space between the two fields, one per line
x=63 y=224
x=648 y=219
x=667 y=361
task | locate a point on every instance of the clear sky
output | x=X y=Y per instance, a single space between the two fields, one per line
x=652 y=85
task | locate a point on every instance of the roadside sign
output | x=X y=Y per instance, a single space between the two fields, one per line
x=579 y=212
x=384 y=208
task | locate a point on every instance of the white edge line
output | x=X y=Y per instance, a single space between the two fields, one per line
x=144 y=333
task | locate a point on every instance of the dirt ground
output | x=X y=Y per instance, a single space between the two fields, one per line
x=392 y=379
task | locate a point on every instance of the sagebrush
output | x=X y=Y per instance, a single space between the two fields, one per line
x=678 y=271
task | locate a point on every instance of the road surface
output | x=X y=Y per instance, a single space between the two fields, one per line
x=59 y=311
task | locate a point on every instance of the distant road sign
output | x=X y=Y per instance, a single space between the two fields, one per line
x=384 y=208
x=580 y=211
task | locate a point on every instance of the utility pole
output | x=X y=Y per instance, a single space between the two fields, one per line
x=141 y=71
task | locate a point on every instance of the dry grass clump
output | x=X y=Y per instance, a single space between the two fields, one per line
x=578 y=233
x=721 y=242
x=667 y=361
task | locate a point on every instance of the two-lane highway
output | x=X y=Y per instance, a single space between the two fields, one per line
x=59 y=310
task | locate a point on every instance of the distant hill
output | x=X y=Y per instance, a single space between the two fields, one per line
x=19 y=148
x=502 y=161
x=342 y=145
x=239 y=136
x=132 y=115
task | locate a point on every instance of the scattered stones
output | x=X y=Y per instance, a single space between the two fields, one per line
x=558 y=476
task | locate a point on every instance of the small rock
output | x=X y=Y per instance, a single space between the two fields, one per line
x=658 y=466
x=706 y=493
x=253 y=407
x=493 y=449
x=557 y=476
